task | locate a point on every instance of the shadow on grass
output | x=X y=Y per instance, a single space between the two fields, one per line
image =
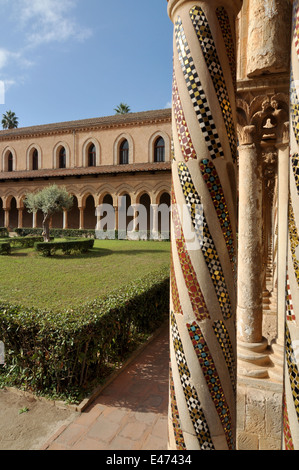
x=18 y=254
x=93 y=253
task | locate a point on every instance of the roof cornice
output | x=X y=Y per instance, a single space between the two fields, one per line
x=100 y=123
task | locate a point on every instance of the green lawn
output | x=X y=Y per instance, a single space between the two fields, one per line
x=62 y=282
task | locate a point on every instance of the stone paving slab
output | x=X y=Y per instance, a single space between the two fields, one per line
x=131 y=412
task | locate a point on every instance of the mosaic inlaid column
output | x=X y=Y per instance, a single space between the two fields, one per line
x=203 y=265
x=282 y=207
x=291 y=402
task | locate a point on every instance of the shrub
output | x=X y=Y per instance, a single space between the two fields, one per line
x=58 y=352
x=5 y=248
x=56 y=232
x=67 y=247
x=25 y=242
x=4 y=232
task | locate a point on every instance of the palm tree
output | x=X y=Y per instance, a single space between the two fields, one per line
x=122 y=108
x=10 y=120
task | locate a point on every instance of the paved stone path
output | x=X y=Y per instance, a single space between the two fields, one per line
x=130 y=413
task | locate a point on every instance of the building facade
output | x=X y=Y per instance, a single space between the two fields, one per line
x=96 y=160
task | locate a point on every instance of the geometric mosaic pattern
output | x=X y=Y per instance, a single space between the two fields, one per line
x=209 y=51
x=196 y=297
x=295 y=168
x=294 y=109
x=181 y=125
x=289 y=304
x=197 y=93
x=172 y=157
x=174 y=291
x=296 y=27
x=295 y=120
x=203 y=234
x=288 y=441
x=292 y=370
x=213 y=381
x=227 y=349
x=192 y=401
x=225 y=27
x=294 y=240
x=177 y=430
x=213 y=183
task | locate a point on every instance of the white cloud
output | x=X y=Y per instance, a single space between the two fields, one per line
x=7 y=57
x=4 y=57
x=36 y=23
x=48 y=21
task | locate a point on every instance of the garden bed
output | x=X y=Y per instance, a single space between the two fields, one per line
x=63 y=353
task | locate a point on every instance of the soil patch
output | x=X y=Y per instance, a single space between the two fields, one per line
x=27 y=422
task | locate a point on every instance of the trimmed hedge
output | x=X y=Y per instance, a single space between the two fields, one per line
x=25 y=242
x=67 y=247
x=5 y=248
x=56 y=232
x=57 y=352
x=4 y=232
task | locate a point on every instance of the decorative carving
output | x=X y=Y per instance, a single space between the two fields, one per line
x=267 y=113
x=269 y=160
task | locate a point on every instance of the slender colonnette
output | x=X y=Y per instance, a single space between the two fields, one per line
x=291 y=398
x=203 y=260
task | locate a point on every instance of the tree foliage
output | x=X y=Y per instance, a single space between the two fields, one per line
x=122 y=108
x=50 y=200
x=9 y=120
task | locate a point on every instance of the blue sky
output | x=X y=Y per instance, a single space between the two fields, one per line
x=63 y=60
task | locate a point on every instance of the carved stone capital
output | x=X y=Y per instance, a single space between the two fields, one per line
x=247 y=135
x=269 y=115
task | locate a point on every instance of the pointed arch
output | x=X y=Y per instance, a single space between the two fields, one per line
x=152 y=142
x=9 y=159
x=117 y=145
x=57 y=154
x=85 y=152
x=31 y=155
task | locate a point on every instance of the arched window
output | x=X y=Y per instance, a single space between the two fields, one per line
x=124 y=153
x=92 y=155
x=10 y=162
x=159 y=150
x=62 y=158
x=35 y=160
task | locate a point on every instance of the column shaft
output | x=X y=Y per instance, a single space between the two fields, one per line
x=81 y=222
x=20 y=218
x=250 y=249
x=34 y=220
x=6 y=218
x=65 y=219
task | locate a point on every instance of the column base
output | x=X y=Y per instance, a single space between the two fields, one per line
x=253 y=359
x=277 y=371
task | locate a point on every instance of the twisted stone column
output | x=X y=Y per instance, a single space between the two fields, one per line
x=203 y=295
x=291 y=402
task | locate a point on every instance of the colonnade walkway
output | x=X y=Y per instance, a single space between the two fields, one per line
x=131 y=412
